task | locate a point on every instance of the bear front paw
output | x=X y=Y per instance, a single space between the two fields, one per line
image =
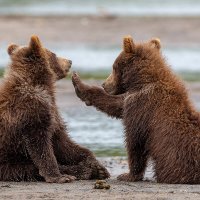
x=80 y=88
x=98 y=170
x=60 y=179
x=101 y=172
x=129 y=178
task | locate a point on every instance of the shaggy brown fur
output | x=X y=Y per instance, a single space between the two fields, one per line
x=34 y=144
x=160 y=121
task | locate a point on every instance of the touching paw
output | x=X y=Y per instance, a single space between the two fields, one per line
x=129 y=178
x=77 y=83
x=80 y=88
x=60 y=179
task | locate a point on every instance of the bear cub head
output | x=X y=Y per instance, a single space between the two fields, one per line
x=22 y=57
x=135 y=66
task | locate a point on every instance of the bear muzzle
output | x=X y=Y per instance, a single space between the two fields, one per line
x=65 y=64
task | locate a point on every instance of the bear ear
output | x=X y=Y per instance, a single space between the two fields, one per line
x=155 y=43
x=128 y=44
x=12 y=48
x=35 y=45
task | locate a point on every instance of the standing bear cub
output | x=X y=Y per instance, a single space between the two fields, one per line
x=159 y=119
x=34 y=144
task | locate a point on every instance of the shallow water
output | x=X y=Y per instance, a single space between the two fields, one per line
x=96 y=130
x=85 y=57
x=102 y=7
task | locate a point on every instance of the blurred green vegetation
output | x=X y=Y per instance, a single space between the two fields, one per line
x=101 y=75
x=21 y=2
x=110 y=152
x=96 y=75
x=1 y=72
x=190 y=76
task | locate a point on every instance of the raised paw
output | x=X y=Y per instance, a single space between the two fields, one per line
x=129 y=178
x=60 y=179
x=76 y=81
x=80 y=88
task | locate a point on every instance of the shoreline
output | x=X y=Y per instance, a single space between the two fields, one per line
x=101 y=30
x=84 y=189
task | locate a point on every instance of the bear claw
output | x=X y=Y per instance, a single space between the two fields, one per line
x=61 y=179
x=129 y=178
x=81 y=89
x=77 y=84
x=75 y=79
x=100 y=172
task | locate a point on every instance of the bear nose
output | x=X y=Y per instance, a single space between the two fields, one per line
x=103 y=84
x=70 y=62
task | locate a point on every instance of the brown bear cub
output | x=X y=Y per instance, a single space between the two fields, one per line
x=159 y=119
x=34 y=144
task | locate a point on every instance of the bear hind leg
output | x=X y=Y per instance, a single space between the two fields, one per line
x=85 y=170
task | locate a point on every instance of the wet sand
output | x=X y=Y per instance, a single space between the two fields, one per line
x=101 y=30
x=85 y=190
x=147 y=189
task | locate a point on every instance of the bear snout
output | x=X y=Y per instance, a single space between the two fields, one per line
x=66 y=64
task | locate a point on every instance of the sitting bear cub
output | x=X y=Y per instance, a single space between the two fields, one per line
x=160 y=121
x=34 y=144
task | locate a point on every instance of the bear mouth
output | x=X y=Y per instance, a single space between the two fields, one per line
x=67 y=71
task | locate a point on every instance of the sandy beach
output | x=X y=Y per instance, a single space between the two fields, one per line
x=85 y=190
x=78 y=190
x=101 y=30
